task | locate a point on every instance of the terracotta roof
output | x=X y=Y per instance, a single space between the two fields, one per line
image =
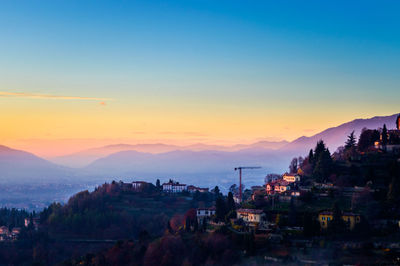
x=253 y=211
x=279 y=182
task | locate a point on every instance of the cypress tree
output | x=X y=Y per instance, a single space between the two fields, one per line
x=311 y=157
x=384 y=136
x=230 y=202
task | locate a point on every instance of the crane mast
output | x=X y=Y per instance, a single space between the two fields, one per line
x=240 y=168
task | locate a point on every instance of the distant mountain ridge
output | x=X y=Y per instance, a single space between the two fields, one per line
x=21 y=166
x=84 y=158
x=198 y=164
x=336 y=136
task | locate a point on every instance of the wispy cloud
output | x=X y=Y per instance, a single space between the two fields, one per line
x=49 y=96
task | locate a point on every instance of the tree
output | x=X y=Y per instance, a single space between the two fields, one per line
x=311 y=227
x=220 y=211
x=311 y=157
x=292 y=213
x=393 y=195
x=230 y=202
x=216 y=190
x=351 y=141
x=367 y=139
x=271 y=177
x=293 y=165
x=337 y=225
x=234 y=189
x=384 y=136
x=323 y=163
x=158 y=184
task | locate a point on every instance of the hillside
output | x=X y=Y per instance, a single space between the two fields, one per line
x=114 y=211
x=21 y=166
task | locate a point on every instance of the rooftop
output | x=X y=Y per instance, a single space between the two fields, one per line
x=253 y=211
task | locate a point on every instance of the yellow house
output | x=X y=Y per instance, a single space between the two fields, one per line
x=351 y=219
x=324 y=218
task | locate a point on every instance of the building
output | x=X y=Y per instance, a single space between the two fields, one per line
x=4 y=230
x=252 y=216
x=15 y=233
x=291 y=178
x=137 y=185
x=173 y=187
x=351 y=219
x=278 y=186
x=35 y=222
x=193 y=189
x=393 y=139
x=202 y=213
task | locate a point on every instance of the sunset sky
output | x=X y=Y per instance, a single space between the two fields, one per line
x=80 y=74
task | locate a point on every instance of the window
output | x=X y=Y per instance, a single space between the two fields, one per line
x=329 y=218
x=323 y=218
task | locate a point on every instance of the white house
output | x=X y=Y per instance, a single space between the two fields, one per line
x=249 y=215
x=173 y=187
x=202 y=213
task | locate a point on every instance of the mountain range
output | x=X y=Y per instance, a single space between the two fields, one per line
x=198 y=164
x=84 y=158
x=19 y=166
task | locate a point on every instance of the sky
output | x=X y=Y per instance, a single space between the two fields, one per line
x=78 y=74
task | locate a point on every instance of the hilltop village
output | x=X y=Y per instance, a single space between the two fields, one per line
x=327 y=206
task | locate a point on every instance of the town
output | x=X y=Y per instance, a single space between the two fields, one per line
x=343 y=203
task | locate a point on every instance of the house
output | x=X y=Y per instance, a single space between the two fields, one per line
x=351 y=219
x=202 y=213
x=137 y=185
x=35 y=222
x=193 y=189
x=4 y=230
x=392 y=137
x=15 y=233
x=295 y=193
x=173 y=187
x=252 y=216
x=291 y=178
x=278 y=186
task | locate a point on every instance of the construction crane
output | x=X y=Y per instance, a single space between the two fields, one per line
x=240 y=177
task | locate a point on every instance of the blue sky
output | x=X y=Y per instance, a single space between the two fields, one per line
x=245 y=60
